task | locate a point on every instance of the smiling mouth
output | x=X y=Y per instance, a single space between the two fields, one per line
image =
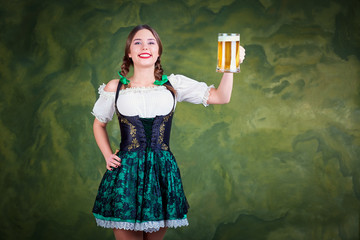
x=144 y=55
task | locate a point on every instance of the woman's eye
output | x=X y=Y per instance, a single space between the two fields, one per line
x=137 y=43
x=151 y=43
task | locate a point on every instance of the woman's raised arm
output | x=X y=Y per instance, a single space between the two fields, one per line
x=222 y=94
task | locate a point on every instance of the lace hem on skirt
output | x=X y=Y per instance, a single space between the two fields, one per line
x=151 y=226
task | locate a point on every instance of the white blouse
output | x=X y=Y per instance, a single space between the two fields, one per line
x=148 y=102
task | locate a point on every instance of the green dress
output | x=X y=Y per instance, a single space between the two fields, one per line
x=145 y=193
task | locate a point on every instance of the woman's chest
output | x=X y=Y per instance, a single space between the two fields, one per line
x=145 y=102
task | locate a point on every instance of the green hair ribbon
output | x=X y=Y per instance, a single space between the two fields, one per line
x=123 y=79
x=163 y=80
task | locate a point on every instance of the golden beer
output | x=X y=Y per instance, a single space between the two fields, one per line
x=228 y=52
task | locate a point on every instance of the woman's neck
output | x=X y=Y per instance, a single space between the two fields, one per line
x=142 y=77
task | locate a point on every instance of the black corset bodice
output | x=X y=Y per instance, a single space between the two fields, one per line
x=139 y=133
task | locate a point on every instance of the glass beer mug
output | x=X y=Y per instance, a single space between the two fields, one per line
x=228 y=52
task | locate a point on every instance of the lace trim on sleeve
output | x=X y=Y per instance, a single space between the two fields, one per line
x=107 y=95
x=101 y=118
x=206 y=96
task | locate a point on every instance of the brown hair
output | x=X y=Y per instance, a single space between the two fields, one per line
x=127 y=62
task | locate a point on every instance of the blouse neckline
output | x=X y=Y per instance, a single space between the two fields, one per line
x=142 y=89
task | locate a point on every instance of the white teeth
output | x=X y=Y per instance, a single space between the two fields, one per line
x=145 y=55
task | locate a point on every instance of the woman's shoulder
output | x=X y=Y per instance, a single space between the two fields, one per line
x=175 y=78
x=111 y=86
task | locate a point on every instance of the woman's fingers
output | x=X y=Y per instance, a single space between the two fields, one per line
x=112 y=165
x=242 y=54
x=113 y=161
x=117 y=158
x=116 y=162
x=115 y=155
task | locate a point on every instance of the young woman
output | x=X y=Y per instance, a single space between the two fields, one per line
x=141 y=193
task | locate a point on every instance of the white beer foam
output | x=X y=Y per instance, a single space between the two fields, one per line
x=228 y=38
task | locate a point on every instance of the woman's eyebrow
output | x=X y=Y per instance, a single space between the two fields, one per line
x=138 y=39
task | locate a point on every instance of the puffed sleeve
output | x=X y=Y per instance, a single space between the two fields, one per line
x=104 y=107
x=190 y=90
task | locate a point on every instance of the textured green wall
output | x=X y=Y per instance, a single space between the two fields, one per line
x=280 y=162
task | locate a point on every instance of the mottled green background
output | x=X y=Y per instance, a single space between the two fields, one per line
x=280 y=162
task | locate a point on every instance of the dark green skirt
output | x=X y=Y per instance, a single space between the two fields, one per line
x=144 y=194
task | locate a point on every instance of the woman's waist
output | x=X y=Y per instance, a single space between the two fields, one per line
x=125 y=152
x=144 y=143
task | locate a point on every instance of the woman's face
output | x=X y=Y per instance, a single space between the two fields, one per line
x=144 y=49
